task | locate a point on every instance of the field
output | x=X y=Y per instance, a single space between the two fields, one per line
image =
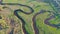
x=30 y=18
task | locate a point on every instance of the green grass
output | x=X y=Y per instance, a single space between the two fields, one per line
x=43 y=28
